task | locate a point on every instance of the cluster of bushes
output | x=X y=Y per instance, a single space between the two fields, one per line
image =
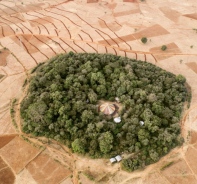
x=62 y=103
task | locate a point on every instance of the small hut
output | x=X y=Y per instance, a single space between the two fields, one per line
x=141 y=123
x=118 y=158
x=107 y=108
x=117 y=99
x=117 y=119
x=112 y=160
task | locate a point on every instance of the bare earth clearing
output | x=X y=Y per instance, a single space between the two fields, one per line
x=32 y=31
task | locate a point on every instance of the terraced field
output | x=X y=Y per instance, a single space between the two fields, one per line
x=32 y=31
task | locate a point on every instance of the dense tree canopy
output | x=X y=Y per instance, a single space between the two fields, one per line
x=62 y=103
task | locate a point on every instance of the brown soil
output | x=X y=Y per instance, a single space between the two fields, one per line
x=193 y=15
x=192 y=66
x=4 y=53
x=154 y=178
x=130 y=1
x=6 y=174
x=5 y=140
x=193 y=139
x=170 y=13
x=191 y=158
x=18 y=153
x=6 y=124
x=50 y=171
x=123 y=13
x=92 y=1
x=153 y=31
x=172 y=48
x=112 y=26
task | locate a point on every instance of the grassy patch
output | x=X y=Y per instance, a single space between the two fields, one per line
x=104 y=178
x=25 y=83
x=166 y=165
x=32 y=143
x=89 y=175
x=12 y=113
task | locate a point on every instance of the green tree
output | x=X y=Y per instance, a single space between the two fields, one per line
x=87 y=115
x=105 y=142
x=152 y=97
x=181 y=79
x=163 y=47
x=36 y=111
x=78 y=146
x=154 y=155
x=147 y=114
x=92 y=96
x=144 y=40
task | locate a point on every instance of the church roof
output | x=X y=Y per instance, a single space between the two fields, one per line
x=107 y=108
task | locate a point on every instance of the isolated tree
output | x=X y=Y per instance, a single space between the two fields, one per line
x=163 y=47
x=144 y=40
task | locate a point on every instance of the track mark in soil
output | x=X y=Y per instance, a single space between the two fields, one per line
x=116 y=35
x=27 y=49
x=45 y=44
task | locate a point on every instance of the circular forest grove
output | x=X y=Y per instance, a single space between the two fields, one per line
x=64 y=97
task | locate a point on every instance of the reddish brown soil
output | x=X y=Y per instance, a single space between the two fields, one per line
x=25 y=44
x=6 y=31
x=6 y=175
x=130 y=1
x=193 y=139
x=128 y=12
x=5 y=140
x=18 y=153
x=152 y=31
x=193 y=15
x=3 y=55
x=192 y=66
x=112 y=5
x=42 y=21
x=49 y=171
x=112 y=26
x=170 y=13
x=92 y=1
x=171 y=48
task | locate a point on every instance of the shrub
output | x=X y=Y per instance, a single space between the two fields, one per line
x=163 y=47
x=144 y=40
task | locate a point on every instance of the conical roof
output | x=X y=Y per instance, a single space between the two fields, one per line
x=107 y=108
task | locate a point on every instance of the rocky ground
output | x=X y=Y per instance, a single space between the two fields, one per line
x=32 y=31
